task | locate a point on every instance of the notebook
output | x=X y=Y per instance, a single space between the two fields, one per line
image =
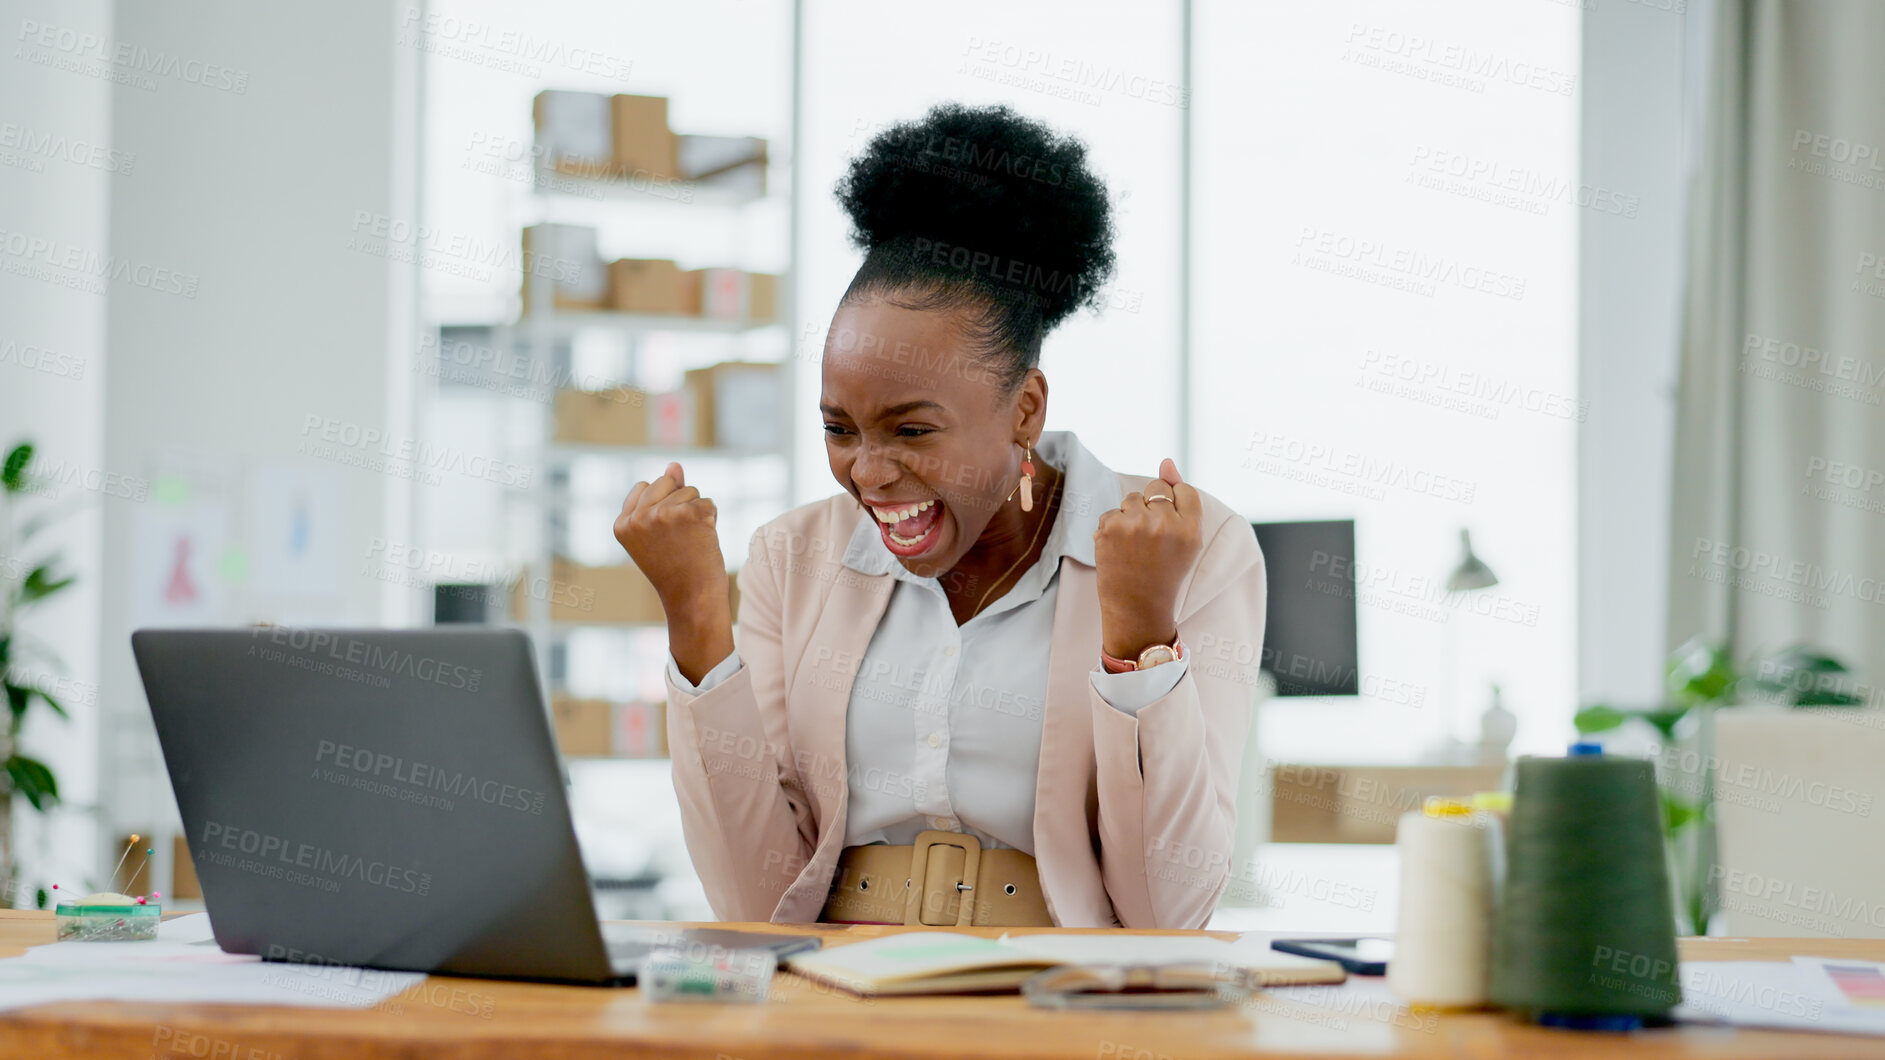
x=946 y=962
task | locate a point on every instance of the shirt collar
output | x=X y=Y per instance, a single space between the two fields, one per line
x=1088 y=488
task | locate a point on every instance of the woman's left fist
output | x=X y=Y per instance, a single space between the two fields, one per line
x=1141 y=552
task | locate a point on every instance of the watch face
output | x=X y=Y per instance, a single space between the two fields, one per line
x=1156 y=654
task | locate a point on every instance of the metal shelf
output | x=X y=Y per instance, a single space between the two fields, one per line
x=551 y=333
x=563 y=452
x=551 y=183
x=566 y=322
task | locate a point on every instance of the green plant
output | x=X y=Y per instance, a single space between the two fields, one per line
x=1703 y=677
x=24 y=585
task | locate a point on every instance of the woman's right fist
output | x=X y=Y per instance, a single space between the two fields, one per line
x=667 y=528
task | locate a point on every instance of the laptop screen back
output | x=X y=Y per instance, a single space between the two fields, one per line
x=384 y=798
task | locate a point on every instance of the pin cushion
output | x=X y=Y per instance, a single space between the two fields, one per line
x=108 y=917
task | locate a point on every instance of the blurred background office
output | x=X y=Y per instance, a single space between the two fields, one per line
x=1543 y=340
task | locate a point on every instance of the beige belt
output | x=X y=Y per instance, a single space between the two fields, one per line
x=943 y=879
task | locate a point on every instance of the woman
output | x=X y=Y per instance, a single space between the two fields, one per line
x=963 y=690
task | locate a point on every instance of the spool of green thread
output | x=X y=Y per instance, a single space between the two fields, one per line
x=1587 y=922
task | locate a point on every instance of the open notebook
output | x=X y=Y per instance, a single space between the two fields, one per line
x=945 y=962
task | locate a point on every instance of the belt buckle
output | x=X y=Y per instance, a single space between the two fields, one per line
x=915 y=905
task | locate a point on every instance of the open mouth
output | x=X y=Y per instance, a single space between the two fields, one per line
x=909 y=529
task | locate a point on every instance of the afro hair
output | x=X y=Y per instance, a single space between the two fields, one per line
x=984 y=210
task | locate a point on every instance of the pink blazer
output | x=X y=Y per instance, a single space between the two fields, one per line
x=1133 y=815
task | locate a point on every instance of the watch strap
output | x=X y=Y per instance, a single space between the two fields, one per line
x=1121 y=666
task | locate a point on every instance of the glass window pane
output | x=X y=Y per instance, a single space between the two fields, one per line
x=1385 y=261
x=1106 y=72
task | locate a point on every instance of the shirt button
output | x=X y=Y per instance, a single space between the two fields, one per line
x=935 y=739
x=949 y=649
x=939 y=822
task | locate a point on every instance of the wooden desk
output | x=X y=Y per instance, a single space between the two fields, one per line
x=476 y=1018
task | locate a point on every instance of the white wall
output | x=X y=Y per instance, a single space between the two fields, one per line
x=1629 y=312
x=58 y=165
x=254 y=175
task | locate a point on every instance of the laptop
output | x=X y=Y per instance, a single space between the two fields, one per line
x=388 y=799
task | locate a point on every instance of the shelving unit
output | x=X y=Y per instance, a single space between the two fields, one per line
x=539 y=524
x=548 y=333
x=567 y=322
x=603 y=189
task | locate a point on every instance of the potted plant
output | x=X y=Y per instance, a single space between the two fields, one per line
x=24 y=583
x=1702 y=678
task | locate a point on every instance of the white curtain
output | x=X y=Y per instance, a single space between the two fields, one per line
x=1778 y=521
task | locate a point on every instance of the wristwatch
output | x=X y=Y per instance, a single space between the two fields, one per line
x=1150 y=657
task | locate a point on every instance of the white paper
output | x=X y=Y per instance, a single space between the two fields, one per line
x=1772 y=994
x=294 y=521
x=175 y=555
x=1125 y=949
x=912 y=954
x=1855 y=986
x=1165 y=949
x=184 y=964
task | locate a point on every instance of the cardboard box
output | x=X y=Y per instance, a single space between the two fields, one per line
x=737 y=405
x=575 y=131
x=594 y=135
x=137 y=874
x=729 y=294
x=591 y=728
x=132 y=873
x=617 y=593
x=641 y=730
x=643 y=144
x=762 y=297
x=708 y=288
x=673 y=419
x=565 y=258
x=183 y=881
x=576 y=593
x=649 y=285
x=1362 y=804
x=584 y=727
x=604 y=417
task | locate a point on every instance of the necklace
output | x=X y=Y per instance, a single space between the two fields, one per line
x=1046 y=511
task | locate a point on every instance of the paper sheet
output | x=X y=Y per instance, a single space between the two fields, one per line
x=184 y=964
x=1767 y=994
x=1812 y=994
x=1253 y=954
x=1853 y=985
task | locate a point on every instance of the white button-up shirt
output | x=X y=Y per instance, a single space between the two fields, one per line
x=943 y=730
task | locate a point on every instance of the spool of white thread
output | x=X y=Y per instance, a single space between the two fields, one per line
x=1443 y=929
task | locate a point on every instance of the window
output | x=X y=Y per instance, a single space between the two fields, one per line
x=1111 y=77
x=1384 y=257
